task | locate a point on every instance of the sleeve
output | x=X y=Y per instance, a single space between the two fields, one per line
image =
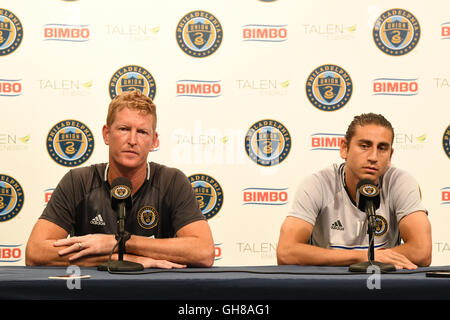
x=308 y=200
x=182 y=200
x=61 y=207
x=406 y=195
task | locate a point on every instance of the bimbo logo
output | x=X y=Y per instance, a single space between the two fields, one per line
x=445 y=195
x=445 y=31
x=10 y=253
x=264 y=33
x=395 y=87
x=67 y=32
x=326 y=141
x=10 y=87
x=265 y=196
x=48 y=195
x=199 y=88
x=217 y=251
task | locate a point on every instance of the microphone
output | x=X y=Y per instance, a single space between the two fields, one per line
x=121 y=191
x=121 y=201
x=368 y=201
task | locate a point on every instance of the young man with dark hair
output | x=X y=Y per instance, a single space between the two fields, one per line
x=325 y=226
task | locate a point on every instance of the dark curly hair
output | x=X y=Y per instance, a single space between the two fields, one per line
x=365 y=119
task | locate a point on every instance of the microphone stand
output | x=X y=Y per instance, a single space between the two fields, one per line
x=122 y=236
x=363 y=266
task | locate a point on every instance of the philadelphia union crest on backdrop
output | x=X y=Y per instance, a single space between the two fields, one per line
x=446 y=141
x=11 y=32
x=268 y=142
x=130 y=78
x=329 y=87
x=199 y=34
x=70 y=143
x=11 y=197
x=208 y=192
x=396 y=32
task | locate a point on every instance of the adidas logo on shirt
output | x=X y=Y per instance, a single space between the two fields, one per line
x=98 y=221
x=337 y=225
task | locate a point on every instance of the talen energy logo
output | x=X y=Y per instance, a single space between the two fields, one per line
x=11 y=197
x=11 y=32
x=199 y=88
x=395 y=87
x=66 y=32
x=265 y=196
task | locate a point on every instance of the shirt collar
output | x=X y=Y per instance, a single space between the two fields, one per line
x=107 y=168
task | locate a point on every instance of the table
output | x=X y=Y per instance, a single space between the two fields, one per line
x=258 y=283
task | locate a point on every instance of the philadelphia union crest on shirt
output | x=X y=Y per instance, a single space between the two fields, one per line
x=11 y=197
x=381 y=225
x=199 y=34
x=329 y=87
x=130 y=78
x=11 y=32
x=396 y=32
x=148 y=217
x=70 y=143
x=268 y=142
x=208 y=192
x=446 y=141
